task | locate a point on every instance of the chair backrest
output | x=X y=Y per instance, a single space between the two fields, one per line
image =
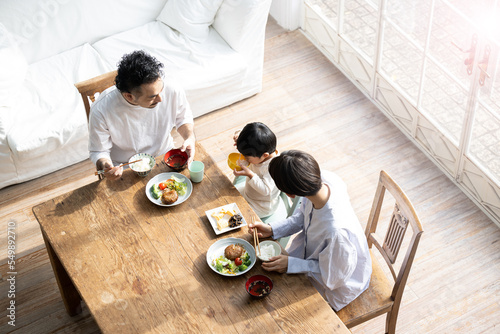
x=290 y=204
x=404 y=215
x=89 y=88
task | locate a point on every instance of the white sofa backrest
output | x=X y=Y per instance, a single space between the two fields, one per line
x=44 y=28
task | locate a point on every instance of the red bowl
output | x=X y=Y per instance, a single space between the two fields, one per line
x=259 y=286
x=176 y=159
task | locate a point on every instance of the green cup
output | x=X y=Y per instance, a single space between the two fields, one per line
x=196 y=169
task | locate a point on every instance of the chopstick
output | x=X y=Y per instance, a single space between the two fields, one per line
x=255 y=236
x=128 y=163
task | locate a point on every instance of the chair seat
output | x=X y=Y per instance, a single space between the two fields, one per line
x=374 y=301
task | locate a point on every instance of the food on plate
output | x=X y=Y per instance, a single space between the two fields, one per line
x=226 y=266
x=235 y=220
x=222 y=218
x=266 y=252
x=227 y=218
x=169 y=196
x=234 y=251
x=142 y=166
x=155 y=191
x=169 y=189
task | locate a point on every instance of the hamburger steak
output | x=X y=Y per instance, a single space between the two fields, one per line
x=233 y=251
x=169 y=196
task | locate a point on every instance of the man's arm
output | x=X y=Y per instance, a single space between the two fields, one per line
x=100 y=146
x=187 y=133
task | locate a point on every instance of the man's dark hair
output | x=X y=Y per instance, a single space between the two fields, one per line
x=256 y=139
x=135 y=69
x=296 y=173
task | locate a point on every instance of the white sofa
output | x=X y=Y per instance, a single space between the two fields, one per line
x=213 y=47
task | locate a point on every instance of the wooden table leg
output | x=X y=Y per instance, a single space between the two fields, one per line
x=69 y=294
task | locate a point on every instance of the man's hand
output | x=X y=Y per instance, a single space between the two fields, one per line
x=263 y=230
x=110 y=172
x=186 y=131
x=189 y=147
x=276 y=263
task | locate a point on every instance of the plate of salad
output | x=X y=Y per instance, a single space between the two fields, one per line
x=166 y=182
x=226 y=267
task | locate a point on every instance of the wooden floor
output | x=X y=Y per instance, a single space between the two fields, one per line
x=454 y=284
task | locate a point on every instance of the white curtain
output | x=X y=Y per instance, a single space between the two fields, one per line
x=287 y=13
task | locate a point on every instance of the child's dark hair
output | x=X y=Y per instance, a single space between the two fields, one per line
x=135 y=69
x=296 y=173
x=256 y=139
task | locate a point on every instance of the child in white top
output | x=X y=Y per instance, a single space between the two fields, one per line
x=257 y=143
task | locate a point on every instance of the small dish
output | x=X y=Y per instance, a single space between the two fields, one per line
x=264 y=245
x=176 y=159
x=227 y=207
x=136 y=167
x=259 y=286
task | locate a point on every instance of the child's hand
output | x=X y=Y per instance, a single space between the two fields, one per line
x=243 y=172
x=276 y=263
x=236 y=135
x=263 y=230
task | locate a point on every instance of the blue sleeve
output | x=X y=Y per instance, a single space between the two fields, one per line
x=289 y=226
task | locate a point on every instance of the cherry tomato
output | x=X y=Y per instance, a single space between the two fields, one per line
x=162 y=185
x=238 y=261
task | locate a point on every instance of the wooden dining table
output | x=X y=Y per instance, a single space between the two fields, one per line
x=142 y=268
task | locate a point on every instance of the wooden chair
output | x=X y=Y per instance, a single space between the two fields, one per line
x=90 y=87
x=384 y=296
x=290 y=204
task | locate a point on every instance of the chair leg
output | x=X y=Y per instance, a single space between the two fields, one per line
x=390 y=322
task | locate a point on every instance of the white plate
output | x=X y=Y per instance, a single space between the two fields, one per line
x=218 y=247
x=164 y=177
x=228 y=207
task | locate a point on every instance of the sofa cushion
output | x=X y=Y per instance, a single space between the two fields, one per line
x=14 y=68
x=237 y=20
x=191 y=18
x=51 y=113
x=207 y=70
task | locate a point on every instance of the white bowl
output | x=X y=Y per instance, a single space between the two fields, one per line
x=142 y=156
x=265 y=244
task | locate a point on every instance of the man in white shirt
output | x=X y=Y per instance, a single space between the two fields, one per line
x=330 y=246
x=137 y=115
